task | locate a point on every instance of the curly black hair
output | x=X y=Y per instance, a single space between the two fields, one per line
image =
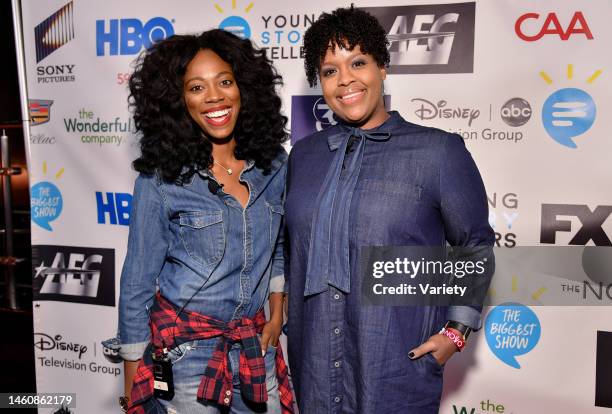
x=345 y=28
x=170 y=138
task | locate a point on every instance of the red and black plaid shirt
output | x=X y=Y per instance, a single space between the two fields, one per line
x=167 y=327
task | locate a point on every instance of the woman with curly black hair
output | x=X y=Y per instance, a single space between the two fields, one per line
x=204 y=250
x=372 y=180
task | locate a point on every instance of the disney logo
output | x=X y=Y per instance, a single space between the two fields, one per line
x=45 y=342
x=430 y=110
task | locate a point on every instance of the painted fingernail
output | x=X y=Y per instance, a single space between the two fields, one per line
x=411 y=355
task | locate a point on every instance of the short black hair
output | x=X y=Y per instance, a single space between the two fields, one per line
x=346 y=28
x=170 y=139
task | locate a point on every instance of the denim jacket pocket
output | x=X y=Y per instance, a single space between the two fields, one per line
x=203 y=235
x=276 y=215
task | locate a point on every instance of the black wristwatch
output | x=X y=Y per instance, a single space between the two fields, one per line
x=124 y=402
x=464 y=329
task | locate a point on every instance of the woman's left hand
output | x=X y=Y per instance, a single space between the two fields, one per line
x=440 y=347
x=270 y=334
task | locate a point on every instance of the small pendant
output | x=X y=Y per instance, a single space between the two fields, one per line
x=229 y=171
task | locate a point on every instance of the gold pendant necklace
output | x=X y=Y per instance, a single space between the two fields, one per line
x=228 y=170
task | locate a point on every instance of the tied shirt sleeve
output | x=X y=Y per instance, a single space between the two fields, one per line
x=464 y=209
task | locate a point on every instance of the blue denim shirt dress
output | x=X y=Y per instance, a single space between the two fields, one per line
x=419 y=187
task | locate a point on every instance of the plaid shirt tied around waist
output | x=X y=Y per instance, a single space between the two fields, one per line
x=169 y=328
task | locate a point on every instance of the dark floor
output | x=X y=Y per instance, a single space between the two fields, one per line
x=17 y=353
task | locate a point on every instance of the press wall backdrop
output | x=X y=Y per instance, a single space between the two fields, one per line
x=527 y=84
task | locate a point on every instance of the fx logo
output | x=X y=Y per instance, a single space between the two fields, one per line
x=591 y=221
x=437 y=38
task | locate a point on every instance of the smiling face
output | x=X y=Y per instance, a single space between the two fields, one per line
x=352 y=86
x=211 y=94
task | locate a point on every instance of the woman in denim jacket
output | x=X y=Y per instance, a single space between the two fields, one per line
x=372 y=180
x=204 y=249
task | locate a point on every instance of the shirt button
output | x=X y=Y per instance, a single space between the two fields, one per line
x=228 y=392
x=337 y=296
x=337 y=364
x=337 y=331
x=227 y=400
x=337 y=399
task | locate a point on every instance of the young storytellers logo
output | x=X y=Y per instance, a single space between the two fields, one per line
x=511 y=330
x=568 y=112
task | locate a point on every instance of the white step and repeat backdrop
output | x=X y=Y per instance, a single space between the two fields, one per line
x=527 y=84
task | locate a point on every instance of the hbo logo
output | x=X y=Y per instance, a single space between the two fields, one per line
x=516 y=112
x=128 y=36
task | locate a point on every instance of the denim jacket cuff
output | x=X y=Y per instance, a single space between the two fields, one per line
x=277 y=284
x=129 y=352
x=465 y=315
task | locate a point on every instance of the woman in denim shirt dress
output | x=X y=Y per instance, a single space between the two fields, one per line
x=204 y=250
x=372 y=180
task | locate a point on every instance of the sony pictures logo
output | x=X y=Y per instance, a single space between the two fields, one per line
x=74 y=274
x=433 y=38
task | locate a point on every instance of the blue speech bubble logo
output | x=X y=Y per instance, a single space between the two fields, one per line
x=236 y=25
x=46 y=204
x=511 y=330
x=568 y=113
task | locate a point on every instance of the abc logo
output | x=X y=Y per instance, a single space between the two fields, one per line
x=516 y=112
x=112 y=355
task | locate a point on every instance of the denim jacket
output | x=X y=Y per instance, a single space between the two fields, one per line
x=202 y=250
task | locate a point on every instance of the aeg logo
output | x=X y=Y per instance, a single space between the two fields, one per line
x=74 y=274
x=526 y=27
x=129 y=36
x=433 y=38
x=592 y=222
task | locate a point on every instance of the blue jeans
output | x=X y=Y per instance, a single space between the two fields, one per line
x=189 y=362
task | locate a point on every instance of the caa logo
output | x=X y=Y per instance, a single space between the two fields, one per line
x=129 y=36
x=436 y=38
x=592 y=223
x=74 y=274
x=115 y=206
x=530 y=28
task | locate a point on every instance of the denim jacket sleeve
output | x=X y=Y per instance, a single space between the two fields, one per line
x=466 y=218
x=277 y=279
x=146 y=253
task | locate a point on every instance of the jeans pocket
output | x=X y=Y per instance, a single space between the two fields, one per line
x=203 y=235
